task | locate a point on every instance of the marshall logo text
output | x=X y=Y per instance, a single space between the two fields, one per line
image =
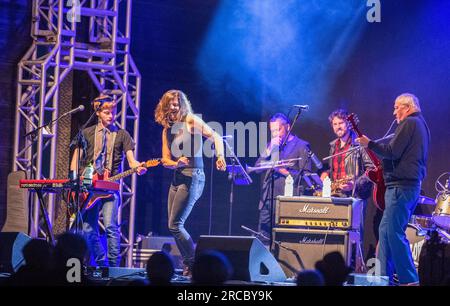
x=312 y=210
x=306 y=240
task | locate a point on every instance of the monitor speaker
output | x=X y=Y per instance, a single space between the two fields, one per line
x=251 y=261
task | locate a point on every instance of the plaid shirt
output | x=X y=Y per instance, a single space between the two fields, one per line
x=339 y=161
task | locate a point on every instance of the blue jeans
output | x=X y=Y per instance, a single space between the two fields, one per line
x=184 y=191
x=394 y=251
x=110 y=210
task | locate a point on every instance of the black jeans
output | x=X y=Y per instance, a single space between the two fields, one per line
x=186 y=188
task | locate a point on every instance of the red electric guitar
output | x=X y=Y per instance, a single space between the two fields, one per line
x=375 y=174
x=88 y=199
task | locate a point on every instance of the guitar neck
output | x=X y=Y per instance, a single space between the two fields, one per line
x=369 y=152
x=357 y=131
x=122 y=175
x=147 y=164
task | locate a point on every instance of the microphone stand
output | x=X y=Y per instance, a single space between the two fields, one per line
x=49 y=124
x=235 y=170
x=79 y=142
x=211 y=179
x=356 y=148
x=259 y=235
x=233 y=163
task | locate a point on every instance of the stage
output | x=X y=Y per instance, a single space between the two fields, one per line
x=273 y=132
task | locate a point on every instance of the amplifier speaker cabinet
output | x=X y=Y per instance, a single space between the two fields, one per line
x=318 y=212
x=300 y=249
x=146 y=246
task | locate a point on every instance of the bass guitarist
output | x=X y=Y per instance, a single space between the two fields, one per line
x=106 y=146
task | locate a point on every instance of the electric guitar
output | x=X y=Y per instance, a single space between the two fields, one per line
x=87 y=199
x=375 y=174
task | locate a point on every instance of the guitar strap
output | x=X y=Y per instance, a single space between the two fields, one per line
x=109 y=148
x=110 y=151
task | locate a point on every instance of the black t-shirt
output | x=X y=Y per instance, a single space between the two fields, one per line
x=122 y=144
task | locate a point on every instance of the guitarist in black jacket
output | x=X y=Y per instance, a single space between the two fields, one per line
x=404 y=165
x=106 y=146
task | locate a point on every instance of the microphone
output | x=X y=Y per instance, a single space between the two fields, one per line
x=73 y=111
x=315 y=160
x=303 y=107
x=47 y=127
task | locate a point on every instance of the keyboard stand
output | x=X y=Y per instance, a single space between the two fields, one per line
x=48 y=226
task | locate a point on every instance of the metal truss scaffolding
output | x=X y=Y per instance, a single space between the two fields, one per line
x=57 y=48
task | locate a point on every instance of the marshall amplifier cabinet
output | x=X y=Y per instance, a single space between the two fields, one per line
x=318 y=212
x=299 y=249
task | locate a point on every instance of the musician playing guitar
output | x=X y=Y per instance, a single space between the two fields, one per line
x=404 y=168
x=106 y=146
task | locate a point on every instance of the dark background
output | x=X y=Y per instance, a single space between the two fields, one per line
x=409 y=51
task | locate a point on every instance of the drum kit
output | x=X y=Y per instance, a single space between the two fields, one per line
x=429 y=216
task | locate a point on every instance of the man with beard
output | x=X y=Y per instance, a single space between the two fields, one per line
x=347 y=169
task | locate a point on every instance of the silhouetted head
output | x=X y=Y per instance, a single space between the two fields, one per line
x=37 y=253
x=69 y=246
x=160 y=268
x=211 y=268
x=310 y=278
x=333 y=268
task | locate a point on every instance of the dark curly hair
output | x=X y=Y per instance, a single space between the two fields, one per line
x=339 y=113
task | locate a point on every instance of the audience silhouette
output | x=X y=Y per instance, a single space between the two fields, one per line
x=211 y=268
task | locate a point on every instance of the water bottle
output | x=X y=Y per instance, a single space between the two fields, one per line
x=289 y=186
x=88 y=175
x=326 y=189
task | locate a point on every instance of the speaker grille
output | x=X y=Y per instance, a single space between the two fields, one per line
x=300 y=249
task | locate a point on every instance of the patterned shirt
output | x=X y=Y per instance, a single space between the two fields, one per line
x=339 y=161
